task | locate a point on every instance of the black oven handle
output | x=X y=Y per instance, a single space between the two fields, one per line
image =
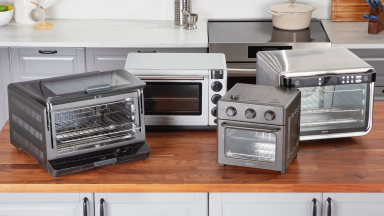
x=225 y=124
x=171 y=77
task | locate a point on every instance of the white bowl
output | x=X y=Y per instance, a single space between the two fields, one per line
x=5 y=17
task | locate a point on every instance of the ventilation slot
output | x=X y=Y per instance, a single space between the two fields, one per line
x=28 y=145
x=27 y=127
x=26 y=108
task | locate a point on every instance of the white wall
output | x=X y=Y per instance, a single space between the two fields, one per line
x=163 y=9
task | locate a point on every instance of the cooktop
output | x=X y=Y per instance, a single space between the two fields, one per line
x=262 y=32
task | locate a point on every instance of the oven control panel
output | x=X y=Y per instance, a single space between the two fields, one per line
x=217 y=89
x=340 y=79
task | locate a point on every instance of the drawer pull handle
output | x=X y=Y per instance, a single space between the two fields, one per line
x=102 y=207
x=154 y=51
x=382 y=91
x=85 y=209
x=329 y=209
x=314 y=213
x=47 y=52
x=98 y=88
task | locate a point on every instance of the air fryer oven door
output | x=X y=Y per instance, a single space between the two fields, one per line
x=336 y=109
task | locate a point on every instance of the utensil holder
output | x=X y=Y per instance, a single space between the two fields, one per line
x=375 y=27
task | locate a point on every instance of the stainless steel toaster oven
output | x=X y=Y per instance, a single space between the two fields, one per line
x=336 y=89
x=75 y=123
x=259 y=127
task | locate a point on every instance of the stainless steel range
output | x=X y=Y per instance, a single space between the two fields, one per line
x=241 y=40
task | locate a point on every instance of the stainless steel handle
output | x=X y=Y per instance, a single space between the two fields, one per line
x=47 y=52
x=243 y=69
x=329 y=206
x=97 y=88
x=154 y=51
x=102 y=207
x=171 y=77
x=314 y=212
x=265 y=130
x=85 y=209
x=244 y=72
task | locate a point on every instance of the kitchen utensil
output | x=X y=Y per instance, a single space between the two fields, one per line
x=190 y=21
x=291 y=16
x=258 y=126
x=37 y=14
x=180 y=5
x=372 y=18
x=5 y=17
x=378 y=2
x=337 y=96
x=78 y=122
x=40 y=15
x=22 y=11
x=369 y=3
x=373 y=3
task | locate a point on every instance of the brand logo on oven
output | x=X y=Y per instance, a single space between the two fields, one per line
x=169 y=119
x=247 y=163
x=324 y=131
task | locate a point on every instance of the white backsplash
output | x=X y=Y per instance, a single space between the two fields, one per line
x=164 y=9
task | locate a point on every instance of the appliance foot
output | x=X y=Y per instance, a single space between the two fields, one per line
x=284 y=171
x=20 y=149
x=295 y=156
x=222 y=164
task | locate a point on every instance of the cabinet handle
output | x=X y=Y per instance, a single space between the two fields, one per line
x=154 y=51
x=85 y=209
x=47 y=52
x=329 y=209
x=102 y=207
x=314 y=213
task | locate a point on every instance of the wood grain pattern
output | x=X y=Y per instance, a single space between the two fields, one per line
x=349 y=10
x=185 y=161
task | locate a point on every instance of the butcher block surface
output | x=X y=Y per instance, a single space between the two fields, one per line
x=349 y=10
x=185 y=161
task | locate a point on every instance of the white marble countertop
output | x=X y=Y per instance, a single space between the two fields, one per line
x=352 y=35
x=105 y=33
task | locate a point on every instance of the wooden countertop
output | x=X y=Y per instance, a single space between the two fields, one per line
x=185 y=161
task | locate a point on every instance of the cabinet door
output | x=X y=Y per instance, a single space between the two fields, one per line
x=5 y=79
x=271 y=204
x=151 y=204
x=103 y=59
x=45 y=62
x=46 y=204
x=353 y=204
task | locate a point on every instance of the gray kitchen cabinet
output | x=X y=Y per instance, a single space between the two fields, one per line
x=150 y=204
x=353 y=204
x=30 y=63
x=271 y=204
x=103 y=59
x=5 y=74
x=374 y=57
x=45 y=204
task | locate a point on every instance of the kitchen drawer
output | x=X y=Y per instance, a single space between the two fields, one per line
x=43 y=62
x=148 y=204
x=114 y=58
x=379 y=94
x=374 y=57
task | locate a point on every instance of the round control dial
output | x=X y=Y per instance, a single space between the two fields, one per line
x=217 y=86
x=215 y=98
x=214 y=111
x=231 y=111
x=269 y=115
x=250 y=113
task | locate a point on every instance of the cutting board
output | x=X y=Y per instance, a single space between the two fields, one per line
x=349 y=10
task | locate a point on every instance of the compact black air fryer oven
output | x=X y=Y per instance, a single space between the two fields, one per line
x=74 y=123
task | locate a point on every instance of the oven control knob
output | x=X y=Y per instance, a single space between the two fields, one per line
x=215 y=98
x=250 y=113
x=217 y=86
x=231 y=111
x=214 y=111
x=269 y=115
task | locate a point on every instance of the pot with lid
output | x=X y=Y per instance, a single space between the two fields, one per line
x=291 y=16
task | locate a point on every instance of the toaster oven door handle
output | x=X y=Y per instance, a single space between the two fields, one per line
x=171 y=77
x=102 y=207
x=97 y=88
x=265 y=130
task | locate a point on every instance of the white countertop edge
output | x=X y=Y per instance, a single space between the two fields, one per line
x=98 y=45
x=360 y=46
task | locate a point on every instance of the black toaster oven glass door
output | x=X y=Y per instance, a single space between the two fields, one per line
x=334 y=109
x=172 y=98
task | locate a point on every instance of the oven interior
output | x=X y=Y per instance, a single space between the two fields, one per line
x=88 y=127
x=325 y=108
